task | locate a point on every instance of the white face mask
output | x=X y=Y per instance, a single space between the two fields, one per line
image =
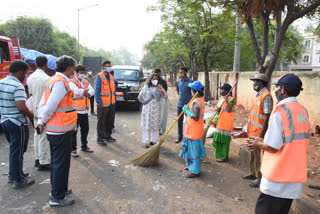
x=109 y=69
x=90 y=72
x=81 y=76
x=154 y=82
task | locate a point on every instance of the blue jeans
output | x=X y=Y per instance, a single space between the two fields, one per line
x=60 y=149
x=180 y=123
x=18 y=138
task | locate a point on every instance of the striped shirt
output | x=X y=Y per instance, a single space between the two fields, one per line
x=11 y=90
x=267 y=104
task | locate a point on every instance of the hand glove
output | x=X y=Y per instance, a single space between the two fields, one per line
x=189 y=113
x=185 y=108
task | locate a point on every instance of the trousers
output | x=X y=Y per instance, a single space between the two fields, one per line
x=150 y=136
x=83 y=122
x=92 y=104
x=180 y=123
x=255 y=163
x=267 y=204
x=105 y=122
x=60 y=149
x=41 y=147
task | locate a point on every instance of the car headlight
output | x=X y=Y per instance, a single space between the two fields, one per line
x=135 y=88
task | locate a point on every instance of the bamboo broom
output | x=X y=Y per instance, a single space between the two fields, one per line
x=150 y=156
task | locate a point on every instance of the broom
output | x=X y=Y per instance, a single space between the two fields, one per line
x=204 y=136
x=150 y=156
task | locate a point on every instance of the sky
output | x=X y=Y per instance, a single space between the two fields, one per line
x=110 y=25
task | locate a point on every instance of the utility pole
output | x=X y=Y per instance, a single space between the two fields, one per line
x=236 y=59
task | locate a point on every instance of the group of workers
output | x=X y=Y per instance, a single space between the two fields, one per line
x=279 y=137
x=58 y=106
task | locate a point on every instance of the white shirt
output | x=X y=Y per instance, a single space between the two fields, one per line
x=36 y=83
x=57 y=94
x=78 y=92
x=274 y=138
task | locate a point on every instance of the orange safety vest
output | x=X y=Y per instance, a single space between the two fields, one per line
x=82 y=103
x=289 y=164
x=108 y=90
x=194 y=129
x=64 y=118
x=225 y=119
x=257 y=117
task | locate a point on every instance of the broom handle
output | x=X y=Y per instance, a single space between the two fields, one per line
x=162 y=138
x=220 y=106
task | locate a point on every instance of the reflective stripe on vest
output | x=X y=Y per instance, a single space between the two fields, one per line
x=256 y=116
x=224 y=132
x=61 y=129
x=289 y=164
x=66 y=109
x=194 y=129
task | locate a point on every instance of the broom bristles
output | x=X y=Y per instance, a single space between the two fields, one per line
x=149 y=157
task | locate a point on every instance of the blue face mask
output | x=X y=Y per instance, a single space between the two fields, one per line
x=81 y=76
x=109 y=69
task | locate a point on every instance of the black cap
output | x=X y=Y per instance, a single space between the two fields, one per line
x=290 y=81
x=226 y=87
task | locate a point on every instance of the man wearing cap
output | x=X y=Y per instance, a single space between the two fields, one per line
x=193 y=149
x=184 y=93
x=284 y=164
x=258 y=123
x=223 y=122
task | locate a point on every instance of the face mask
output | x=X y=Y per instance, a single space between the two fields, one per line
x=279 y=95
x=224 y=93
x=90 y=73
x=81 y=76
x=109 y=69
x=154 y=82
x=256 y=86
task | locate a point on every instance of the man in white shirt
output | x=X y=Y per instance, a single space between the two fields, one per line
x=82 y=91
x=59 y=119
x=36 y=84
x=284 y=164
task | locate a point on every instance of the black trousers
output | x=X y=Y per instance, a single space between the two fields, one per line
x=267 y=204
x=92 y=104
x=83 y=122
x=60 y=149
x=106 y=117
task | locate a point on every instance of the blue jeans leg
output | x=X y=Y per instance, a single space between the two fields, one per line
x=18 y=138
x=180 y=122
x=60 y=149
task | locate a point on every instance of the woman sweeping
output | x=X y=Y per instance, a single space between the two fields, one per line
x=224 y=124
x=150 y=97
x=192 y=148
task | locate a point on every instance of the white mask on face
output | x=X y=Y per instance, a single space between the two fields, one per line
x=109 y=69
x=81 y=76
x=90 y=72
x=154 y=82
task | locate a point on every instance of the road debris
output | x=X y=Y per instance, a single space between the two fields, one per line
x=114 y=163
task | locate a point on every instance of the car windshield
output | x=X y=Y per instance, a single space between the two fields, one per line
x=126 y=74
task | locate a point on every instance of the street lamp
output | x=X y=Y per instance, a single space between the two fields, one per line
x=79 y=9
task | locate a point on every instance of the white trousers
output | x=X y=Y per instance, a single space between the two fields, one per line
x=150 y=136
x=41 y=147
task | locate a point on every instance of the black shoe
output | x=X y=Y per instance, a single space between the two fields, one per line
x=62 y=202
x=10 y=180
x=69 y=191
x=101 y=143
x=86 y=149
x=36 y=163
x=23 y=183
x=249 y=177
x=178 y=140
x=44 y=167
x=110 y=139
x=93 y=114
x=255 y=183
x=74 y=154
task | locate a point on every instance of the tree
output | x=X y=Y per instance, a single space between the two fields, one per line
x=264 y=11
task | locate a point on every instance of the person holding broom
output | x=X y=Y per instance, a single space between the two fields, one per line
x=223 y=122
x=192 y=148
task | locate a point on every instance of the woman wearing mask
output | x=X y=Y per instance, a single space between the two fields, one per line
x=150 y=97
x=192 y=148
x=223 y=122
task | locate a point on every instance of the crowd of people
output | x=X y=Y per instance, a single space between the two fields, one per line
x=59 y=106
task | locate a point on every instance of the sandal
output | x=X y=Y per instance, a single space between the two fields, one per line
x=152 y=143
x=220 y=160
x=186 y=168
x=192 y=175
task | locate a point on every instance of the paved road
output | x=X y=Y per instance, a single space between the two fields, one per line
x=99 y=187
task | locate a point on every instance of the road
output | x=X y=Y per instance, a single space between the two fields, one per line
x=99 y=187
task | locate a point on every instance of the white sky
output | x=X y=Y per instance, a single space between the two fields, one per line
x=111 y=25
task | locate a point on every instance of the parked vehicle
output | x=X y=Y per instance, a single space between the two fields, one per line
x=130 y=82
